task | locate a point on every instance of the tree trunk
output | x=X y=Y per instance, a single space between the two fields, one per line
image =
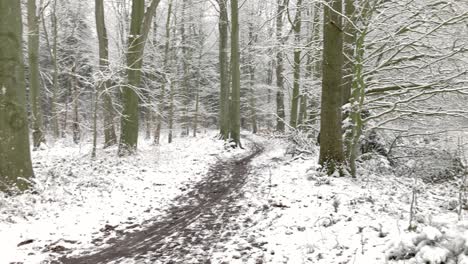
x=224 y=119
x=358 y=90
x=301 y=119
x=280 y=115
x=253 y=110
x=172 y=87
x=95 y=110
x=76 y=103
x=55 y=88
x=297 y=65
x=349 y=44
x=139 y=27
x=162 y=99
x=199 y=78
x=331 y=147
x=15 y=156
x=34 y=82
x=186 y=73
x=109 y=130
x=235 y=75
x=316 y=63
x=312 y=70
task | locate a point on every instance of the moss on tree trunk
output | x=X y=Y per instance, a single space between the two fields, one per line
x=15 y=157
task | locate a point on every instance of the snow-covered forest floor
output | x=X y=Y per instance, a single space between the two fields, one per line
x=78 y=201
x=289 y=212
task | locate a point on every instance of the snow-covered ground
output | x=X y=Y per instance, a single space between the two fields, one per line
x=290 y=212
x=293 y=214
x=78 y=200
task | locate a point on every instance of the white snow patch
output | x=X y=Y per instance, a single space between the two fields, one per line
x=79 y=200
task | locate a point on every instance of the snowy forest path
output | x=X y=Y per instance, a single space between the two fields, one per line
x=191 y=230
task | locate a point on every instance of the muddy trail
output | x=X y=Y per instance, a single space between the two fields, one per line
x=191 y=230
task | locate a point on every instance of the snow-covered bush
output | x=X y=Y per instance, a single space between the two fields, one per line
x=437 y=160
x=432 y=245
x=303 y=142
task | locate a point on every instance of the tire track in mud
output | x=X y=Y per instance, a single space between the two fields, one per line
x=190 y=230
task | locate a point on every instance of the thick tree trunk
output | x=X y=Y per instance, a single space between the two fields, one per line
x=15 y=156
x=129 y=126
x=139 y=27
x=235 y=75
x=109 y=129
x=280 y=115
x=297 y=65
x=331 y=142
x=224 y=120
x=34 y=82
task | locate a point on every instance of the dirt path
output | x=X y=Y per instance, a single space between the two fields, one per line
x=191 y=230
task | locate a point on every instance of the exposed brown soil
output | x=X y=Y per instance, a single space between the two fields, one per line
x=190 y=231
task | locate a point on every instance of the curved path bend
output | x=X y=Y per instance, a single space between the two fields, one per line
x=189 y=230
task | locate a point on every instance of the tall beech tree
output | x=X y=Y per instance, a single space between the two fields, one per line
x=235 y=75
x=15 y=156
x=34 y=82
x=140 y=25
x=280 y=115
x=331 y=142
x=296 y=26
x=251 y=72
x=223 y=25
x=109 y=129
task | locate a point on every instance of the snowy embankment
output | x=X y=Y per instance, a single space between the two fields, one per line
x=80 y=203
x=293 y=214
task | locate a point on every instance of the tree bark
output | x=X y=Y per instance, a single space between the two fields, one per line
x=185 y=65
x=331 y=142
x=251 y=67
x=349 y=44
x=199 y=79
x=297 y=65
x=109 y=129
x=55 y=88
x=34 y=82
x=235 y=75
x=224 y=120
x=280 y=115
x=172 y=87
x=139 y=27
x=162 y=99
x=308 y=111
x=15 y=166
x=76 y=102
